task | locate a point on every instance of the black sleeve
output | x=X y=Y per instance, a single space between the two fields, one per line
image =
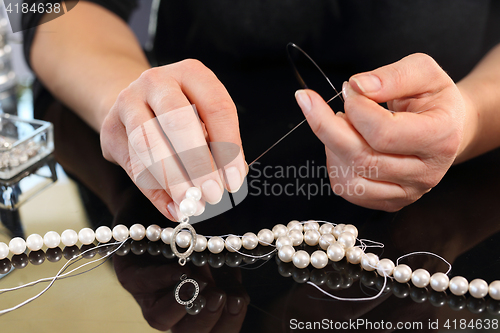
x=122 y=8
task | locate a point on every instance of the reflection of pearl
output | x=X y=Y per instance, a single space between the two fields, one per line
x=103 y=234
x=249 y=241
x=440 y=282
x=35 y=242
x=137 y=232
x=459 y=285
x=319 y=259
x=286 y=253
x=215 y=244
x=17 y=245
x=87 y=236
x=420 y=278
x=402 y=273
x=183 y=239
x=52 y=239
x=478 y=288
x=335 y=252
x=233 y=243
x=301 y=259
x=311 y=237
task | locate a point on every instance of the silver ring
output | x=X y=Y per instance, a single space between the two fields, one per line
x=183 y=256
x=189 y=302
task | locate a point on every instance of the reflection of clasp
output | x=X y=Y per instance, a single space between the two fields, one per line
x=183 y=256
x=188 y=303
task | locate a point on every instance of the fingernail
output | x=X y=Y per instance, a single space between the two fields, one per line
x=304 y=101
x=211 y=191
x=172 y=210
x=367 y=83
x=344 y=89
x=234 y=305
x=247 y=168
x=233 y=179
x=214 y=301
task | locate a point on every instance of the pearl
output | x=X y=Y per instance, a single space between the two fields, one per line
x=283 y=240
x=459 y=285
x=35 y=242
x=494 y=289
x=337 y=230
x=153 y=232
x=120 y=233
x=420 y=278
x=478 y=288
x=286 y=253
x=166 y=235
x=295 y=225
x=188 y=207
x=326 y=240
x=402 y=273
x=4 y=250
x=440 y=282
x=335 y=252
x=51 y=239
x=201 y=243
x=216 y=244
x=279 y=230
x=301 y=259
x=183 y=239
x=233 y=243
x=249 y=241
x=326 y=228
x=193 y=193
x=17 y=245
x=137 y=232
x=319 y=259
x=69 y=237
x=296 y=236
x=311 y=225
x=346 y=239
x=352 y=229
x=87 y=236
x=354 y=255
x=385 y=267
x=369 y=262
x=311 y=237
x=266 y=237
x=103 y=234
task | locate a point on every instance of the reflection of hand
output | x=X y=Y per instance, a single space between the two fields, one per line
x=145 y=147
x=388 y=160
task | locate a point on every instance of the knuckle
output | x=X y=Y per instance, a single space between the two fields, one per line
x=220 y=107
x=193 y=64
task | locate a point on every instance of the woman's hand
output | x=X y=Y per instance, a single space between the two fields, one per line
x=154 y=133
x=386 y=160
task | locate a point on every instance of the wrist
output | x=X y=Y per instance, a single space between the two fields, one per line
x=470 y=126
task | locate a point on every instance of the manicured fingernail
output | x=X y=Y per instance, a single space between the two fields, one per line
x=214 y=301
x=344 y=89
x=211 y=191
x=367 y=83
x=234 y=305
x=173 y=211
x=304 y=101
x=233 y=179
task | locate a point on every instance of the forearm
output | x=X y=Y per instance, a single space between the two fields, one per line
x=85 y=58
x=481 y=91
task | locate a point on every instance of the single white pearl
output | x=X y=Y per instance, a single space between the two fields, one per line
x=440 y=282
x=337 y=230
x=326 y=240
x=86 y=236
x=385 y=267
x=153 y=232
x=369 y=262
x=69 y=237
x=233 y=243
x=35 y=242
x=354 y=255
x=279 y=230
x=420 y=278
x=283 y=240
x=216 y=244
x=193 y=193
x=4 y=251
x=295 y=225
x=166 y=235
x=120 y=233
x=478 y=288
x=459 y=285
x=17 y=245
x=319 y=259
x=326 y=228
x=183 y=239
x=52 y=239
x=311 y=237
x=402 y=273
x=311 y=225
x=103 y=234
x=346 y=239
x=137 y=232
x=301 y=259
x=494 y=289
x=249 y=241
x=201 y=243
x=188 y=207
x=335 y=252
x=286 y=253
x=266 y=237
x=352 y=229
x=296 y=236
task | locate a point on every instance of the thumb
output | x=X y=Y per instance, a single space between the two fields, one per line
x=412 y=76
